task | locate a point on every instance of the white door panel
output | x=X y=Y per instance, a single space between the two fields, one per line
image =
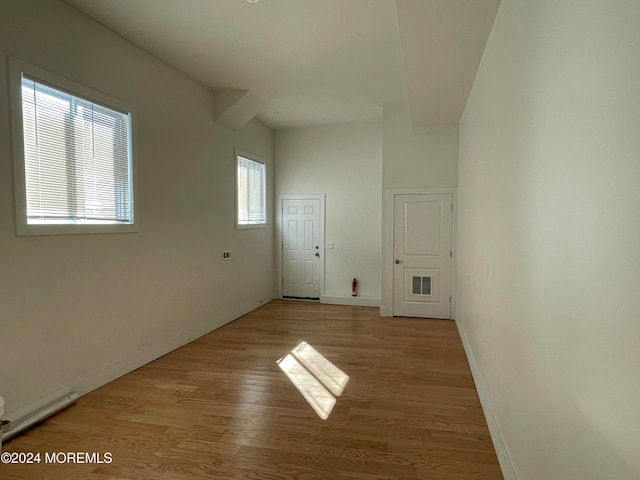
x=422 y=255
x=301 y=248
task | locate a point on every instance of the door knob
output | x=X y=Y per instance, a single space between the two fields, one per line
x=317 y=255
x=398 y=261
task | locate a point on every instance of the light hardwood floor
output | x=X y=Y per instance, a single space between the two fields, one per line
x=220 y=408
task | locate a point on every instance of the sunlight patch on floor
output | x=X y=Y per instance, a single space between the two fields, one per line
x=315 y=377
x=331 y=376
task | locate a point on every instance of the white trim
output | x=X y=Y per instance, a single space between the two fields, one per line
x=499 y=444
x=346 y=300
x=158 y=347
x=16 y=69
x=279 y=227
x=386 y=303
x=238 y=152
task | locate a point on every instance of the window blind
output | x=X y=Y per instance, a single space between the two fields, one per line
x=77 y=158
x=251 y=192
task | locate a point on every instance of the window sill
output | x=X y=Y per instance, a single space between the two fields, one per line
x=250 y=226
x=74 y=229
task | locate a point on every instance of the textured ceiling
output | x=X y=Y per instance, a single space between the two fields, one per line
x=316 y=62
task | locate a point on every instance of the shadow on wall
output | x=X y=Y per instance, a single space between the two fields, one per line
x=592 y=449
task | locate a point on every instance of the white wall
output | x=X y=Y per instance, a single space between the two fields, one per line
x=413 y=157
x=79 y=310
x=417 y=156
x=548 y=235
x=344 y=162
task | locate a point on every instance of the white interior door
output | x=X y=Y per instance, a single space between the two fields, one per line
x=301 y=248
x=423 y=253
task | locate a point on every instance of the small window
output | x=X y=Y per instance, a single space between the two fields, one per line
x=73 y=156
x=251 y=181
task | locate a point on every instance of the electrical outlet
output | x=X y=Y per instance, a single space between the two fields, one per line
x=226 y=255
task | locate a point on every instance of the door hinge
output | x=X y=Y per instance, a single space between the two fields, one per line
x=449 y=299
x=451 y=253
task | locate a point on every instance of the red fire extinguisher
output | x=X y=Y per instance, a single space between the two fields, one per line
x=354 y=287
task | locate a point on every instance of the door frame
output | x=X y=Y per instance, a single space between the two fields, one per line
x=279 y=238
x=386 y=306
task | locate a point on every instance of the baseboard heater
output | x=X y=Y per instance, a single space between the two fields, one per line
x=13 y=428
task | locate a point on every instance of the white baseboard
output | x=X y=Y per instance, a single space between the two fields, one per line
x=146 y=354
x=502 y=452
x=344 y=300
x=222 y=318
x=163 y=346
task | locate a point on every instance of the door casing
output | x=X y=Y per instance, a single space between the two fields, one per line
x=386 y=305
x=279 y=239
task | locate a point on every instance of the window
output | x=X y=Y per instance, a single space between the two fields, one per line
x=251 y=210
x=73 y=156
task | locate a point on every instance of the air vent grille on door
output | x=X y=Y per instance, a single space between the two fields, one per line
x=421 y=285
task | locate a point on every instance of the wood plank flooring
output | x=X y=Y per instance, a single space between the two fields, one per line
x=220 y=408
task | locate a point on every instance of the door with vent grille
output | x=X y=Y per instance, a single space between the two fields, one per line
x=422 y=245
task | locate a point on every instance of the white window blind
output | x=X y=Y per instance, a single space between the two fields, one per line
x=77 y=158
x=251 y=191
